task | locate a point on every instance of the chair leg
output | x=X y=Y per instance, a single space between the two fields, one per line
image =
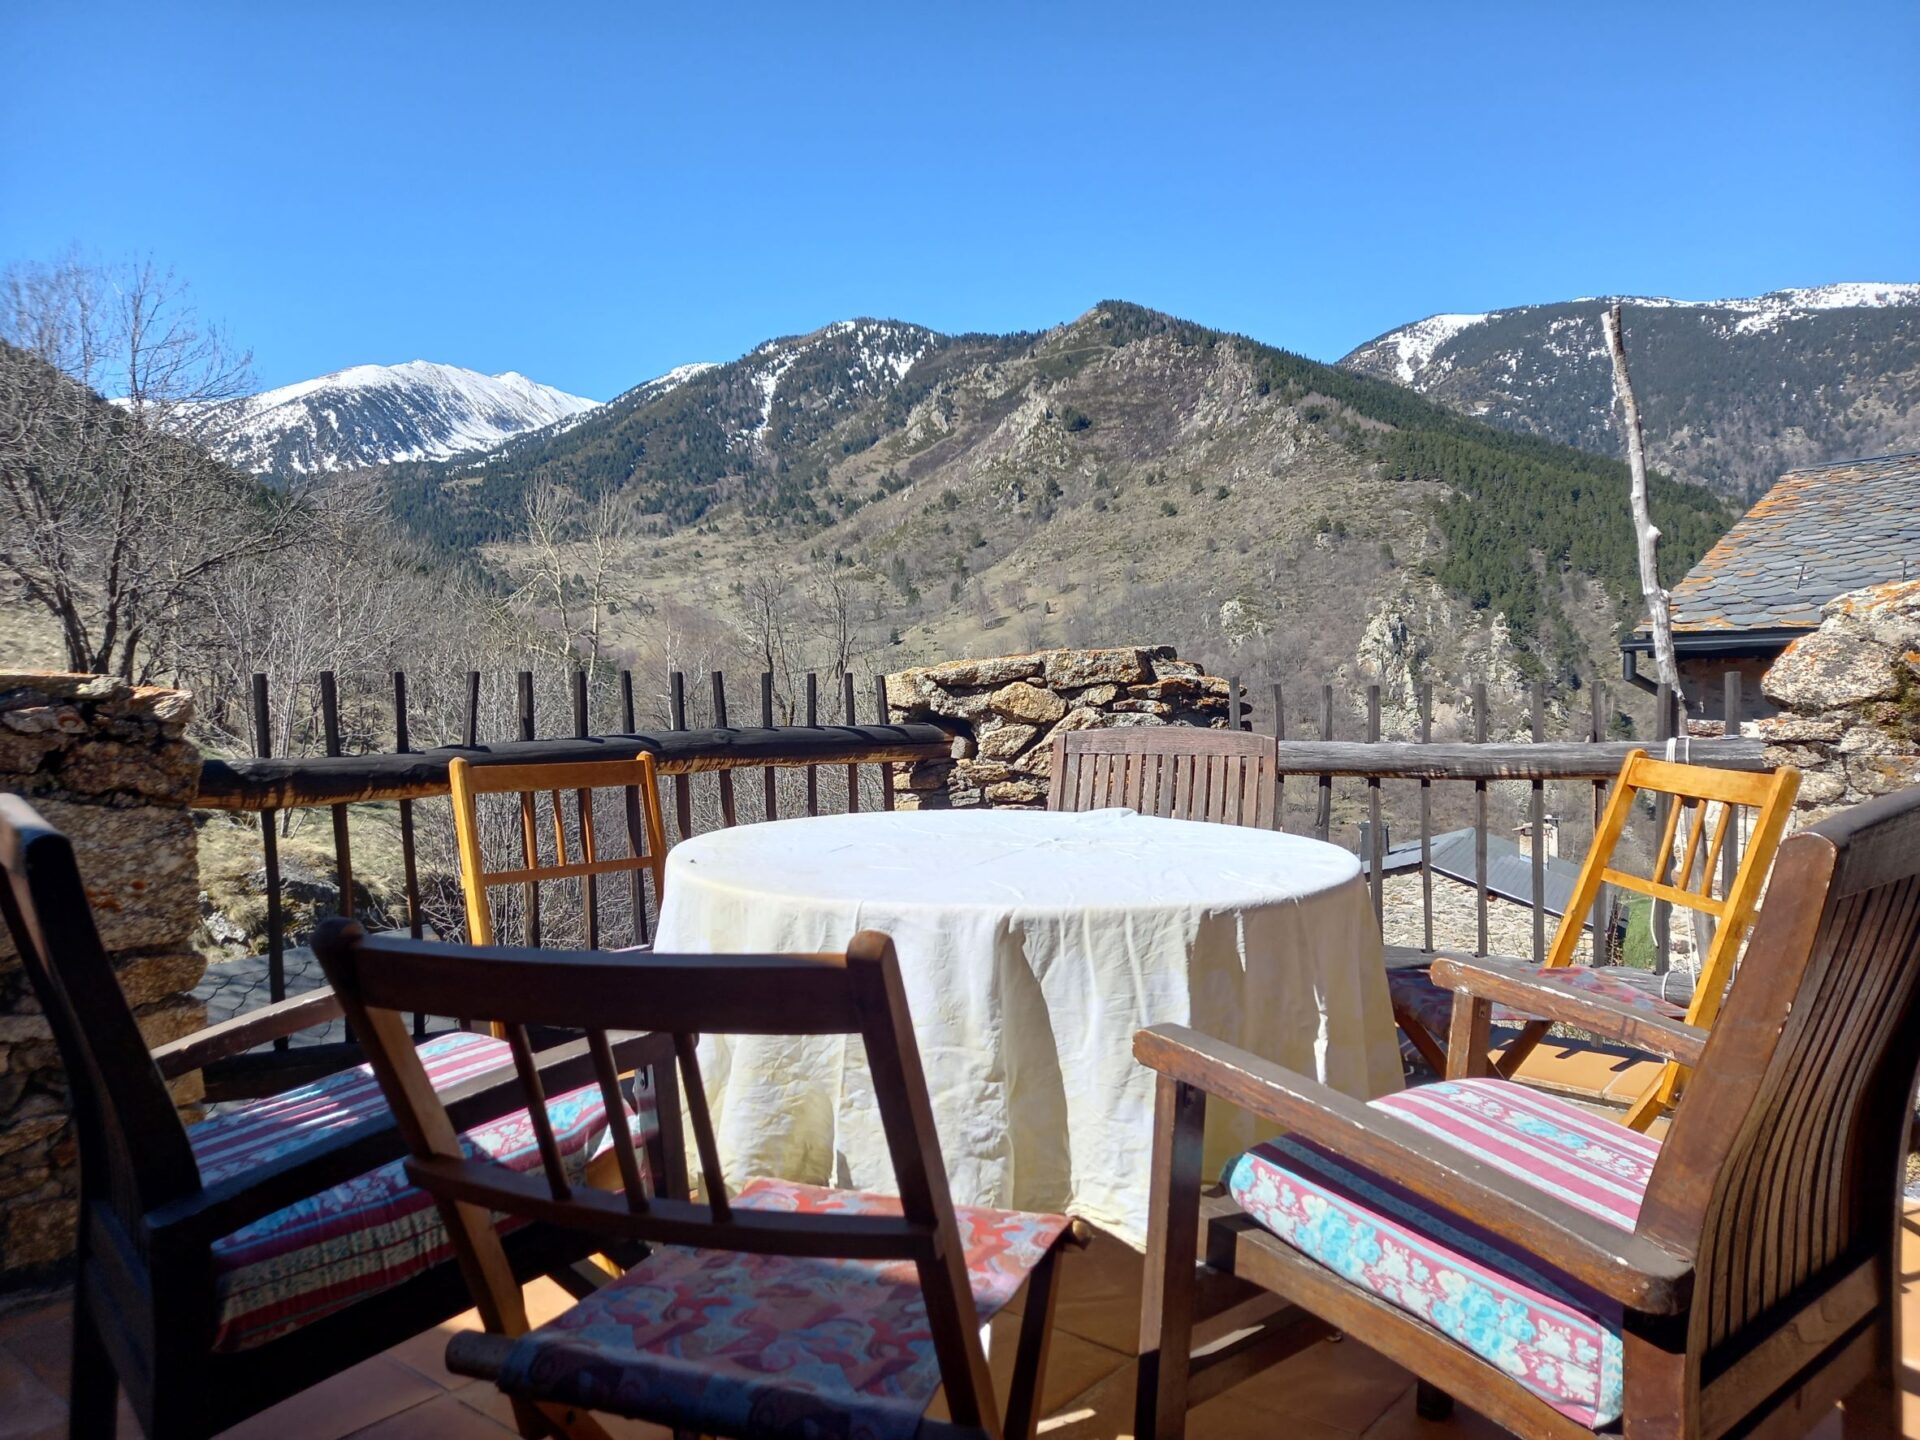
x=1521 y=1046
x=1173 y=1244
x=93 y=1394
x=1030 y=1362
x=1422 y=1041
x=1430 y=1402
x=1872 y=1411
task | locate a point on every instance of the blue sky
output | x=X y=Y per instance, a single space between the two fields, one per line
x=591 y=194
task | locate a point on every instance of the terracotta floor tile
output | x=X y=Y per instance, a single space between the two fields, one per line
x=1100 y=1294
x=427 y=1353
x=1227 y=1417
x=1401 y=1423
x=1341 y=1384
x=483 y=1397
x=29 y=1409
x=1074 y=1367
x=43 y=1338
x=350 y=1401
x=441 y=1418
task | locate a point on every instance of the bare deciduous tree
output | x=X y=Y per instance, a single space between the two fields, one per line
x=109 y=519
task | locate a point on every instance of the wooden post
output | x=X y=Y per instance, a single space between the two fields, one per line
x=728 y=816
x=472 y=734
x=529 y=892
x=1480 y=819
x=342 y=842
x=1323 y=818
x=853 y=718
x=629 y=721
x=881 y=717
x=270 y=857
x=682 y=785
x=1233 y=702
x=1426 y=825
x=583 y=813
x=813 y=721
x=409 y=869
x=1279 y=780
x=769 y=792
x=1730 y=847
x=1376 y=847
x=636 y=827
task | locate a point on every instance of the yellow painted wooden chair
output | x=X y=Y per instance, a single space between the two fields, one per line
x=1684 y=873
x=646 y=838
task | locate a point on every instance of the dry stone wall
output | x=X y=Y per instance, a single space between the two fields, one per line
x=1003 y=713
x=108 y=764
x=1849 y=697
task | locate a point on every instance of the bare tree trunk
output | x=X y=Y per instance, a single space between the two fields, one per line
x=1646 y=535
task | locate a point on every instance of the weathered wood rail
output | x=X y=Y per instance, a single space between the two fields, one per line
x=295 y=782
x=1547 y=760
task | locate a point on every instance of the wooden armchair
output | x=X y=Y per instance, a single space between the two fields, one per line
x=778 y=1310
x=1422 y=1006
x=224 y=1266
x=646 y=837
x=1180 y=772
x=1560 y=1271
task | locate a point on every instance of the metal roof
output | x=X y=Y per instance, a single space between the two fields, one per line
x=1509 y=872
x=1818 y=533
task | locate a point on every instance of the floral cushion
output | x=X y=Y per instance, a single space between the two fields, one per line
x=1548 y=1331
x=327 y=1251
x=1416 y=995
x=770 y=1345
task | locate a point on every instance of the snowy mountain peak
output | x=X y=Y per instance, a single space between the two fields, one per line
x=380 y=414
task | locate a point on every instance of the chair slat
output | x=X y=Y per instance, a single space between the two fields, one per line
x=607 y=1073
x=712 y=1181
x=523 y=1064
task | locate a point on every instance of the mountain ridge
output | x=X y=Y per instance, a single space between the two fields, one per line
x=1734 y=392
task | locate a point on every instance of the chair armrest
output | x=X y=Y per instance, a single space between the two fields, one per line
x=1522 y=987
x=246 y=1031
x=223 y=1208
x=1625 y=1266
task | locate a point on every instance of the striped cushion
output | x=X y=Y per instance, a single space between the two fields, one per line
x=1548 y=1331
x=343 y=1244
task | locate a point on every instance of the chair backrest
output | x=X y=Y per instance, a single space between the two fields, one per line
x=1759 y=803
x=646 y=837
x=1182 y=772
x=381 y=978
x=1783 y=1163
x=134 y=1153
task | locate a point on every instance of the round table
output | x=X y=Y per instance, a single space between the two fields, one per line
x=1032 y=945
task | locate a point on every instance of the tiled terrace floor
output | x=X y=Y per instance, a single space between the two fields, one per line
x=1334 y=1391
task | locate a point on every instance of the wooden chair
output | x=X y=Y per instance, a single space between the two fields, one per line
x=1738 y=1277
x=645 y=829
x=1181 y=772
x=1423 y=1009
x=780 y=1310
x=192 y=1289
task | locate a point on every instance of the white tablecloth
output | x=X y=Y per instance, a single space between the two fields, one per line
x=1032 y=946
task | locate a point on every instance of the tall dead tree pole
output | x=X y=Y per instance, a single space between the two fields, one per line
x=1646 y=534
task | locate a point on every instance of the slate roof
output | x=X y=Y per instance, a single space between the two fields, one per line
x=1818 y=533
x=1509 y=873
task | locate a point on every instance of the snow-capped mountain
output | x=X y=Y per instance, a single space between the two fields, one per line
x=380 y=414
x=1734 y=391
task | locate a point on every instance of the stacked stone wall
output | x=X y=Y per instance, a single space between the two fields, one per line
x=1005 y=711
x=108 y=764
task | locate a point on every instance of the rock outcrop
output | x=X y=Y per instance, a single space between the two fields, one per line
x=1003 y=713
x=1850 y=698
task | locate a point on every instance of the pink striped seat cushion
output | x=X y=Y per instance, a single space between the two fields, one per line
x=777 y=1346
x=327 y=1251
x=1549 y=1332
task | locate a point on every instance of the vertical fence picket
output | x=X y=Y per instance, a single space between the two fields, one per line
x=270 y=857
x=629 y=720
x=583 y=812
x=409 y=868
x=1233 y=702
x=636 y=828
x=1480 y=821
x=1323 y=817
x=471 y=737
x=1426 y=826
x=682 y=785
x=1279 y=734
x=1376 y=842
x=342 y=840
x=1537 y=821
x=728 y=816
x=880 y=716
x=529 y=842
x=1730 y=848
x=1661 y=915
x=853 y=718
x=770 y=793
x=813 y=721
